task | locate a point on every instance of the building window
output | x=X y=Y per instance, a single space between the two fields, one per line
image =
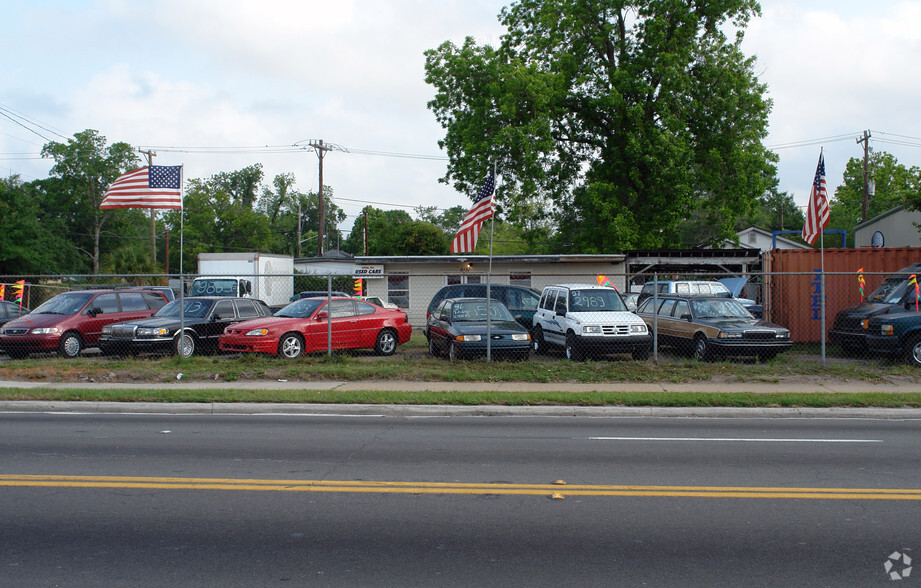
x=752 y=238
x=398 y=289
x=453 y=280
x=520 y=279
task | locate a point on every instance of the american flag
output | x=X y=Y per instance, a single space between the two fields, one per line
x=156 y=186
x=817 y=211
x=483 y=208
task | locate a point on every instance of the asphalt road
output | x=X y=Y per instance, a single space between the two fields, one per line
x=332 y=500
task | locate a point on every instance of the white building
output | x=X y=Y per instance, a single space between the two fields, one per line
x=763 y=240
x=894 y=228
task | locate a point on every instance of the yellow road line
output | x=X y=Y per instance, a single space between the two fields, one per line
x=395 y=487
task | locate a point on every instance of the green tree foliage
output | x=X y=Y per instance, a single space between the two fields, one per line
x=394 y=232
x=896 y=185
x=619 y=119
x=31 y=240
x=86 y=167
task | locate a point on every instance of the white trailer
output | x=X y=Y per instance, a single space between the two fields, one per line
x=268 y=277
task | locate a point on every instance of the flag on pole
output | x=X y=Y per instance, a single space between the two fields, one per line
x=356 y=287
x=817 y=211
x=154 y=186
x=604 y=282
x=18 y=287
x=483 y=209
x=860 y=282
x=2 y=290
x=914 y=280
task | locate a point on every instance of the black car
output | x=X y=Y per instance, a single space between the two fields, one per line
x=521 y=301
x=892 y=296
x=204 y=319
x=458 y=328
x=11 y=310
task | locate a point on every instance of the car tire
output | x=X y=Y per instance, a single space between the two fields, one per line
x=290 y=346
x=184 y=346
x=538 y=343
x=386 y=342
x=454 y=353
x=574 y=351
x=701 y=348
x=433 y=348
x=641 y=353
x=913 y=351
x=71 y=345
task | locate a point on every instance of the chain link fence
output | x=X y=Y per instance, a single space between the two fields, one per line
x=561 y=317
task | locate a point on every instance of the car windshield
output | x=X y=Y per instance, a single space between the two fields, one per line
x=596 y=299
x=192 y=308
x=302 y=308
x=476 y=311
x=68 y=303
x=890 y=291
x=719 y=309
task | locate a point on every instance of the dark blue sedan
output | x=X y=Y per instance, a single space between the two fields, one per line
x=459 y=328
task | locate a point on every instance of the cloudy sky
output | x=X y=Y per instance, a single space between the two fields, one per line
x=217 y=86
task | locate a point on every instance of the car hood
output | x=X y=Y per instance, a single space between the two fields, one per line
x=735 y=285
x=863 y=310
x=32 y=321
x=164 y=321
x=479 y=328
x=738 y=324
x=267 y=322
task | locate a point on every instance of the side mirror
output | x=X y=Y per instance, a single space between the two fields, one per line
x=686 y=317
x=94 y=311
x=215 y=318
x=322 y=316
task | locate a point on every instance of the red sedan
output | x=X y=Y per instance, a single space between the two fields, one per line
x=305 y=325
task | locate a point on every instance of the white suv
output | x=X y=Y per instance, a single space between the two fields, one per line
x=587 y=319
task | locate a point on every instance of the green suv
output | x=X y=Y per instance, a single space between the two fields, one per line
x=896 y=334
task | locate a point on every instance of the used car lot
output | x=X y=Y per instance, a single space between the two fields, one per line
x=305 y=326
x=713 y=327
x=464 y=327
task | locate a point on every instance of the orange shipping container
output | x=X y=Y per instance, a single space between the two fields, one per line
x=792 y=283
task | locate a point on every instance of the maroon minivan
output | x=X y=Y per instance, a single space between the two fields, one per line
x=72 y=321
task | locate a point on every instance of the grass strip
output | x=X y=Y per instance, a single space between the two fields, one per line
x=481 y=398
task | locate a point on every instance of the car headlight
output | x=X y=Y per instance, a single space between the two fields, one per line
x=257 y=332
x=730 y=335
x=46 y=331
x=886 y=330
x=638 y=328
x=591 y=329
x=521 y=337
x=782 y=335
x=469 y=338
x=152 y=332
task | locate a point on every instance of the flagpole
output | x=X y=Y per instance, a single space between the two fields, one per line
x=822 y=281
x=181 y=269
x=492 y=230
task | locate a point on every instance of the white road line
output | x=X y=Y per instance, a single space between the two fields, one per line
x=735 y=440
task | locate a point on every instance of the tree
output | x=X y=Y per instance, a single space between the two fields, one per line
x=87 y=167
x=617 y=118
x=895 y=185
x=31 y=240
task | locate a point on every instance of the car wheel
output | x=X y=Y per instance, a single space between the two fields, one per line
x=913 y=351
x=701 y=348
x=453 y=352
x=386 y=342
x=433 y=349
x=641 y=353
x=540 y=346
x=184 y=346
x=290 y=346
x=71 y=344
x=573 y=350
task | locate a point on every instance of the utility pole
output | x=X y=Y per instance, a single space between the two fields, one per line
x=321 y=148
x=153 y=218
x=866 y=173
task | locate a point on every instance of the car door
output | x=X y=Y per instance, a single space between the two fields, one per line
x=438 y=325
x=346 y=334
x=222 y=315
x=683 y=327
x=101 y=311
x=555 y=331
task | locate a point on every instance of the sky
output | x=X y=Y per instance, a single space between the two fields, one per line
x=217 y=86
